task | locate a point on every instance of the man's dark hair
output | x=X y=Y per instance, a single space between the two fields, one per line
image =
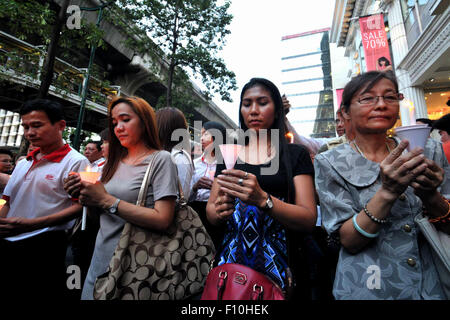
x=7 y=151
x=443 y=123
x=98 y=144
x=52 y=109
x=218 y=126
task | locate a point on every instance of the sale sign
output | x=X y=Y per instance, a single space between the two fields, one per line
x=339 y=97
x=374 y=40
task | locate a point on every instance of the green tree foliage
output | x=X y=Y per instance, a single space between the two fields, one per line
x=180 y=37
x=27 y=20
x=36 y=22
x=191 y=33
x=42 y=23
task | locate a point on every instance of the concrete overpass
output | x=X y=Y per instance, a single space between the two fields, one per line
x=128 y=73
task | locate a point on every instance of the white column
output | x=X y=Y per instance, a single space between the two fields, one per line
x=399 y=45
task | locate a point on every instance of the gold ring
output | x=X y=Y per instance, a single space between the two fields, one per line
x=246 y=175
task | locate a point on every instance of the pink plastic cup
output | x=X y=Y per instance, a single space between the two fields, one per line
x=230 y=154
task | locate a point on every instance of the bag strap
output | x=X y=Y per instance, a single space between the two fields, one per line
x=182 y=200
x=145 y=182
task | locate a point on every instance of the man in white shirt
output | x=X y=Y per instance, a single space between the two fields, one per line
x=93 y=152
x=38 y=211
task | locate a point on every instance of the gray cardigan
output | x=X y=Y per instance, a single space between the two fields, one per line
x=398 y=263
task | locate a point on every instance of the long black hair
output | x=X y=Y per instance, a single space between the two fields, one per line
x=278 y=124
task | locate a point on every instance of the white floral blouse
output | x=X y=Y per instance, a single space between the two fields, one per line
x=398 y=263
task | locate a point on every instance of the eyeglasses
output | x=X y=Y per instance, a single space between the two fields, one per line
x=389 y=99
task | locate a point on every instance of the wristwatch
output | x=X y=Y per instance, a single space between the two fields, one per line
x=113 y=208
x=269 y=203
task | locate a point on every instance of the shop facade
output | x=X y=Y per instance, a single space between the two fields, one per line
x=417 y=35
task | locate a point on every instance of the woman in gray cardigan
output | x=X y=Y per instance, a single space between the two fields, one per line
x=371 y=189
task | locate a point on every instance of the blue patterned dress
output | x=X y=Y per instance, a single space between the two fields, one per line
x=253 y=238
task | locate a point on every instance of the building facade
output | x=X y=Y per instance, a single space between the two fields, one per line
x=307 y=82
x=11 y=131
x=418 y=34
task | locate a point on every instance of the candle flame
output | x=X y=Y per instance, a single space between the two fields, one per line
x=290 y=136
x=88 y=169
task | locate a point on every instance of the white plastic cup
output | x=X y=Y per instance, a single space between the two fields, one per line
x=417 y=135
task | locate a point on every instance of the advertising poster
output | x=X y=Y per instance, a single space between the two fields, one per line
x=375 y=43
x=339 y=97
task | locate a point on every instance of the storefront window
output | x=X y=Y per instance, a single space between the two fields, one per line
x=408 y=11
x=416 y=16
x=436 y=101
x=362 y=58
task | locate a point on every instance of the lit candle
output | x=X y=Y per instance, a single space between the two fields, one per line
x=407 y=113
x=2 y=203
x=91 y=177
x=290 y=136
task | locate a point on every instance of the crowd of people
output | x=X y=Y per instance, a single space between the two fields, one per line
x=315 y=226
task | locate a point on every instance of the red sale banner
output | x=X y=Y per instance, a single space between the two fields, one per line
x=339 y=97
x=374 y=39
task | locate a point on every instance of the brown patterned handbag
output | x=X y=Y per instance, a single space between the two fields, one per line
x=151 y=265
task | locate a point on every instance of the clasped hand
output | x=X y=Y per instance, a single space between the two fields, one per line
x=398 y=171
x=88 y=194
x=203 y=183
x=239 y=184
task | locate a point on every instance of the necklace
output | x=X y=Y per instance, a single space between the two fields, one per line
x=137 y=159
x=361 y=153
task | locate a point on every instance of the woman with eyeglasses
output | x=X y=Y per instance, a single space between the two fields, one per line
x=371 y=190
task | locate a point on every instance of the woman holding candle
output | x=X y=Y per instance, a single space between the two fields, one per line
x=257 y=207
x=371 y=190
x=134 y=140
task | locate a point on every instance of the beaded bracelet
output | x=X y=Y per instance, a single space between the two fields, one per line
x=360 y=230
x=374 y=219
x=442 y=219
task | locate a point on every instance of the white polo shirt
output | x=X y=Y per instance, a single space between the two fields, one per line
x=202 y=169
x=97 y=165
x=35 y=188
